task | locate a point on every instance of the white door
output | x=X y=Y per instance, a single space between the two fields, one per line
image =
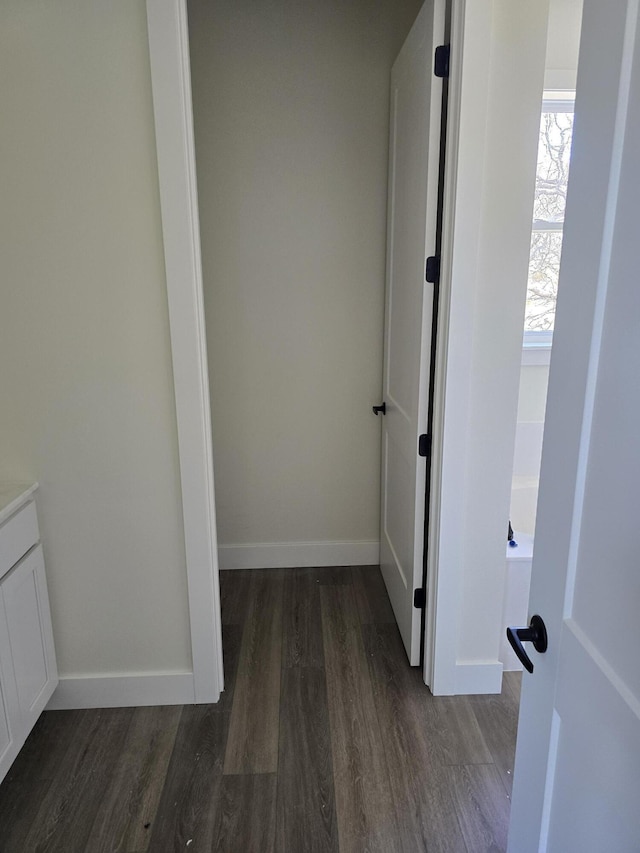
x=577 y=772
x=411 y=227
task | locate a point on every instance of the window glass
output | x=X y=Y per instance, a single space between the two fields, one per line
x=552 y=175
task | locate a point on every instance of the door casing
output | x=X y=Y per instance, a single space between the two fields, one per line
x=171 y=86
x=445 y=667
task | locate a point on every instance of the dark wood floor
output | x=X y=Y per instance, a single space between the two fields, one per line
x=324 y=740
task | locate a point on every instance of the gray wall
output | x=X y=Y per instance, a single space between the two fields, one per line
x=291 y=104
x=85 y=364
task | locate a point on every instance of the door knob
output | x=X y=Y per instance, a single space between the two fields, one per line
x=536 y=633
x=382 y=408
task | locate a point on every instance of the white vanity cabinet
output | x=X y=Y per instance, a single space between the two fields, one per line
x=28 y=674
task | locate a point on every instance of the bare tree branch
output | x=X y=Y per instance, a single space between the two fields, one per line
x=550 y=200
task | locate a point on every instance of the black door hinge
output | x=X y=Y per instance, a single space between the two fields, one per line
x=418 y=598
x=424 y=444
x=441 y=61
x=432 y=269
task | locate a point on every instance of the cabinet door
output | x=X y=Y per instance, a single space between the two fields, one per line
x=11 y=731
x=26 y=605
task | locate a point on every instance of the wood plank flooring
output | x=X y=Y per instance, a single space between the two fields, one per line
x=324 y=740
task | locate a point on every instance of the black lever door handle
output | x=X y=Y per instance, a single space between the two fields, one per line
x=536 y=633
x=382 y=408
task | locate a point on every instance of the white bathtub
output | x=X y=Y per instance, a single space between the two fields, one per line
x=516 y=594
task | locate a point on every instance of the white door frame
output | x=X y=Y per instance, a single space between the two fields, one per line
x=171 y=85
x=478 y=359
x=443 y=592
x=173 y=111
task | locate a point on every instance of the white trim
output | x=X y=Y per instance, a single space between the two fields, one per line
x=476 y=55
x=442 y=592
x=537 y=338
x=287 y=555
x=536 y=355
x=171 y=85
x=554 y=101
x=123 y=691
x=472 y=678
x=560 y=79
x=451 y=438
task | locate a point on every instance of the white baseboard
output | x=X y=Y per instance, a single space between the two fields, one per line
x=471 y=678
x=123 y=691
x=287 y=555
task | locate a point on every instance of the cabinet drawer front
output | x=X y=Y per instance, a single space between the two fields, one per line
x=17 y=535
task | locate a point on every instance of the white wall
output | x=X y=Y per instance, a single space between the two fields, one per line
x=532 y=401
x=85 y=368
x=291 y=121
x=563 y=43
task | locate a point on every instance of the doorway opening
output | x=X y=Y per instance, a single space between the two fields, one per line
x=552 y=175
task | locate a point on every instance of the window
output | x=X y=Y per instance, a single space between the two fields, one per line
x=552 y=174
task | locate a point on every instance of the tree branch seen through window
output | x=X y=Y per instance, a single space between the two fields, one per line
x=552 y=175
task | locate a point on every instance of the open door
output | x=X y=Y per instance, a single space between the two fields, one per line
x=416 y=95
x=577 y=772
